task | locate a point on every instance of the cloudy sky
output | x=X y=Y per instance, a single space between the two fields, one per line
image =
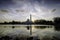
x=19 y=10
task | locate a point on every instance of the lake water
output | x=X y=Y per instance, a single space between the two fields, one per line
x=37 y=30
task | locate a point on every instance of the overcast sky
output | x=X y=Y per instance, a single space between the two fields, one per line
x=19 y=10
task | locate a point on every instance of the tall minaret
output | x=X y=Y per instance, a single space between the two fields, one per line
x=30 y=25
x=30 y=17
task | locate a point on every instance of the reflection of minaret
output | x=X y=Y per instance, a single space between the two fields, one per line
x=30 y=25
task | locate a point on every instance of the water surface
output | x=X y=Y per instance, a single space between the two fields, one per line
x=37 y=30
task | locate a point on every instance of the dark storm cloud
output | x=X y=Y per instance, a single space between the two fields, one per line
x=4 y=10
x=10 y=2
x=46 y=1
x=20 y=11
x=52 y=1
x=5 y=1
x=53 y=10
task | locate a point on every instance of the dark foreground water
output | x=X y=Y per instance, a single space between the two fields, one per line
x=20 y=32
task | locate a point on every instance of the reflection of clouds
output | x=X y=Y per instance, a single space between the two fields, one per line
x=57 y=34
x=47 y=32
x=16 y=31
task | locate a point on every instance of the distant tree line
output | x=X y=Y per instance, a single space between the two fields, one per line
x=41 y=21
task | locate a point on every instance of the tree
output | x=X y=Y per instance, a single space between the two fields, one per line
x=40 y=21
x=57 y=20
x=57 y=23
